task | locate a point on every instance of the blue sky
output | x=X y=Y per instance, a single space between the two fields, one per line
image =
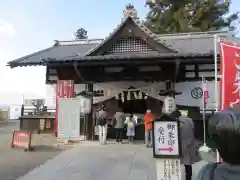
x=28 y=26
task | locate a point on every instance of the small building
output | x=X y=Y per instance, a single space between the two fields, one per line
x=131 y=66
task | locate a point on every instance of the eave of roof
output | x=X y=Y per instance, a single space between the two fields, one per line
x=58 y=50
x=18 y=61
x=163 y=57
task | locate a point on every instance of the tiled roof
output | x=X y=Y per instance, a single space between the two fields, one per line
x=199 y=43
x=63 y=49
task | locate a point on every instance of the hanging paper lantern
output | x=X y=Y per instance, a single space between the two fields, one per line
x=135 y=95
x=85 y=105
x=141 y=95
x=169 y=105
x=146 y=96
x=129 y=96
x=122 y=97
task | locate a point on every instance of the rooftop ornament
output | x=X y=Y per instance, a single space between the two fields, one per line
x=130 y=11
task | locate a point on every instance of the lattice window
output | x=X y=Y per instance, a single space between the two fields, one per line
x=130 y=44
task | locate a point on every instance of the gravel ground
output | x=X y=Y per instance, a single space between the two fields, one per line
x=15 y=163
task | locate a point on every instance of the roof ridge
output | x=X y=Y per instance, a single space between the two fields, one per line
x=195 y=33
x=192 y=35
x=78 y=41
x=109 y=35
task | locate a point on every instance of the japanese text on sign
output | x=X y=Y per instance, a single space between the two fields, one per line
x=169 y=169
x=236 y=82
x=166 y=138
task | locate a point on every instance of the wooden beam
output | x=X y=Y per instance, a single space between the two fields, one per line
x=89 y=117
x=47 y=75
x=196 y=79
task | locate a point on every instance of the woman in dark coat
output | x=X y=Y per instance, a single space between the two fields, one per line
x=190 y=153
x=224 y=131
x=189 y=147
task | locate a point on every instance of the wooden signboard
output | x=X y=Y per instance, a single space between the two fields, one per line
x=166 y=138
x=22 y=139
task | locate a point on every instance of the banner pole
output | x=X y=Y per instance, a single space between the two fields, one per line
x=216 y=72
x=204 y=149
x=216 y=40
x=203 y=113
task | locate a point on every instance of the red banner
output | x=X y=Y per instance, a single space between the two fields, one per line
x=22 y=139
x=230 y=75
x=205 y=95
x=64 y=89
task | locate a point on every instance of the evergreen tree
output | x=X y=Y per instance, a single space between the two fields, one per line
x=81 y=33
x=173 y=16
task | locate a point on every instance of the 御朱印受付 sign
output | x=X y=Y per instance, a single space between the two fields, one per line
x=166 y=139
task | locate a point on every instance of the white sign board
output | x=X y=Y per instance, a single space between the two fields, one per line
x=166 y=138
x=68 y=118
x=169 y=169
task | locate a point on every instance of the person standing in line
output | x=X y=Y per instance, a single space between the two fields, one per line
x=102 y=124
x=131 y=124
x=190 y=153
x=148 y=118
x=119 y=118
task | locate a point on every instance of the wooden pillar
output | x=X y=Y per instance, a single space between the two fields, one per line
x=21 y=117
x=168 y=85
x=89 y=117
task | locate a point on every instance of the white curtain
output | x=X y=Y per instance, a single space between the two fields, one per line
x=112 y=89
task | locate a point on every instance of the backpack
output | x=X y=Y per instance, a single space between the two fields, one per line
x=130 y=125
x=101 y=122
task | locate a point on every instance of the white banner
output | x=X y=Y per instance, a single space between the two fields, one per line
x=192 y=92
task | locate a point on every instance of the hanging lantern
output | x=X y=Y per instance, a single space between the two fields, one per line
x=85 y=105
x=169 y=105
x=135 y=95
x=146 y=96
x=122 y=96
x=129 y=96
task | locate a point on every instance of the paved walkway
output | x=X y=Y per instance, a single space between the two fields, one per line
x=90 y=161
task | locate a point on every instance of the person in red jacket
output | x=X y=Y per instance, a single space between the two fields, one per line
x=148 y=118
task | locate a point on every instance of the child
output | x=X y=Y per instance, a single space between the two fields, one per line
x=130 y=128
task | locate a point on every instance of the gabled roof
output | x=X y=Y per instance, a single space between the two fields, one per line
x=129 y=20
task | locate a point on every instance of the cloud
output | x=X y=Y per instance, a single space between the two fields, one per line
x=6 y=29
